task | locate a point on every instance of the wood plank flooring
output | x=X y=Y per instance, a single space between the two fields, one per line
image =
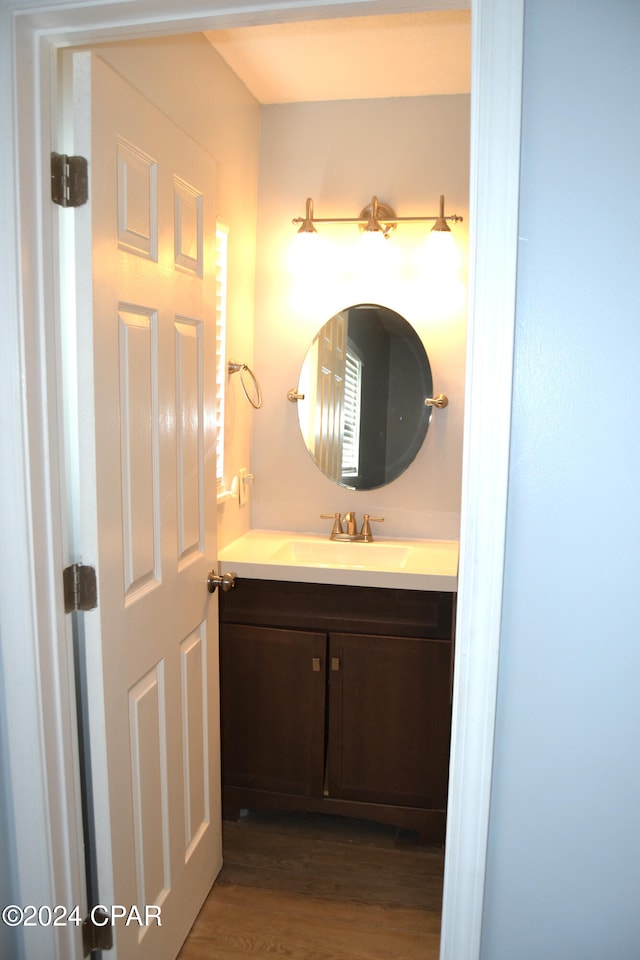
x=313 y=887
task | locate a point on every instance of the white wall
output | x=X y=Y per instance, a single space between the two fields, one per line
x=8 y=937
x=188 y=80
x=564 y=851
x=406 y=151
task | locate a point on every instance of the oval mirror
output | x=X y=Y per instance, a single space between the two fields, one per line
x=364 y=381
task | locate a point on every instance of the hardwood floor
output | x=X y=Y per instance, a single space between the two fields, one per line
x=313 y=887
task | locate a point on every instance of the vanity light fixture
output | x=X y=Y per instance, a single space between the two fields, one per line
x=376 y=217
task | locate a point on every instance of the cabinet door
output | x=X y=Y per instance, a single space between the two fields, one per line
x=389 y=720
x=273 y=709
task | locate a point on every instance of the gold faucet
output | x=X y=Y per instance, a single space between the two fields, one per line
x=351 y=533
x=350 y=520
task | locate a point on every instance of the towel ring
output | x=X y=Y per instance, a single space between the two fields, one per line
x=233 y=367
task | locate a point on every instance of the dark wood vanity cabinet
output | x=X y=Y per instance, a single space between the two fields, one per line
x=273 y=709
x=337 y=699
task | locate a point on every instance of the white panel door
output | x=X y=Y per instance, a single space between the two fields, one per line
x=145 y=290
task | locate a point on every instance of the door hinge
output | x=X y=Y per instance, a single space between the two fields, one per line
x=69 y=180
x=80 y=588
x=97 y=931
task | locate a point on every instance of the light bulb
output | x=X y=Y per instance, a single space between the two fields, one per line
x=441 y=253
x=444 y=289
x=374 y=253
x=303 y=252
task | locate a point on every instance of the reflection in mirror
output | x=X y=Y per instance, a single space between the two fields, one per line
x=364 y=379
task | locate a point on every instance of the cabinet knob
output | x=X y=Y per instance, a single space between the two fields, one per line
x=335 y=664
x=315 y=663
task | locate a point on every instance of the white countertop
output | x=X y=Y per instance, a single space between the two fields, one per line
x=311 y=558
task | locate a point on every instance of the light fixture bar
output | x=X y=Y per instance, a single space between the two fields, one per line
x=377 y=213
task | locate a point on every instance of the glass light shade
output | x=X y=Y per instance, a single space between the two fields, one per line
x=304 y=250
x=374 y=255
x=441 y=253
x=309 y=259
x=444 y=289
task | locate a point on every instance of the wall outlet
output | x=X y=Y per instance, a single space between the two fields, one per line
x=246 y=479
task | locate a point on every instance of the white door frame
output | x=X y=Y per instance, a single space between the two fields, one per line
x=39 y=748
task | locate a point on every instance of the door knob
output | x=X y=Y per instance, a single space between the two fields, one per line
x=226 y=582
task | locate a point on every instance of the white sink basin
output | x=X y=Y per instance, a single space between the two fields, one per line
x=311 y=558
x=339 y=553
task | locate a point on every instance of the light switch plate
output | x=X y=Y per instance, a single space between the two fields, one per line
x=243 y=492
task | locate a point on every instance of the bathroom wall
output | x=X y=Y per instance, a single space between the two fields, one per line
x=406 y=151
x=8 y=936
x=564 y=839
x=188 y=80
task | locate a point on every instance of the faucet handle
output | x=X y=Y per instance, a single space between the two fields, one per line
x=337 y=523
x=366 y=529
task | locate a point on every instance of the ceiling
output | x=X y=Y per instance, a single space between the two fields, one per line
x=396 y=55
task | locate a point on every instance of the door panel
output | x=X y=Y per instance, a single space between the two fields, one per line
x=139 y=448
x=189 y=363
x=330 y=379
x=149 y=781
x=195 y=746
x=145 y=292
